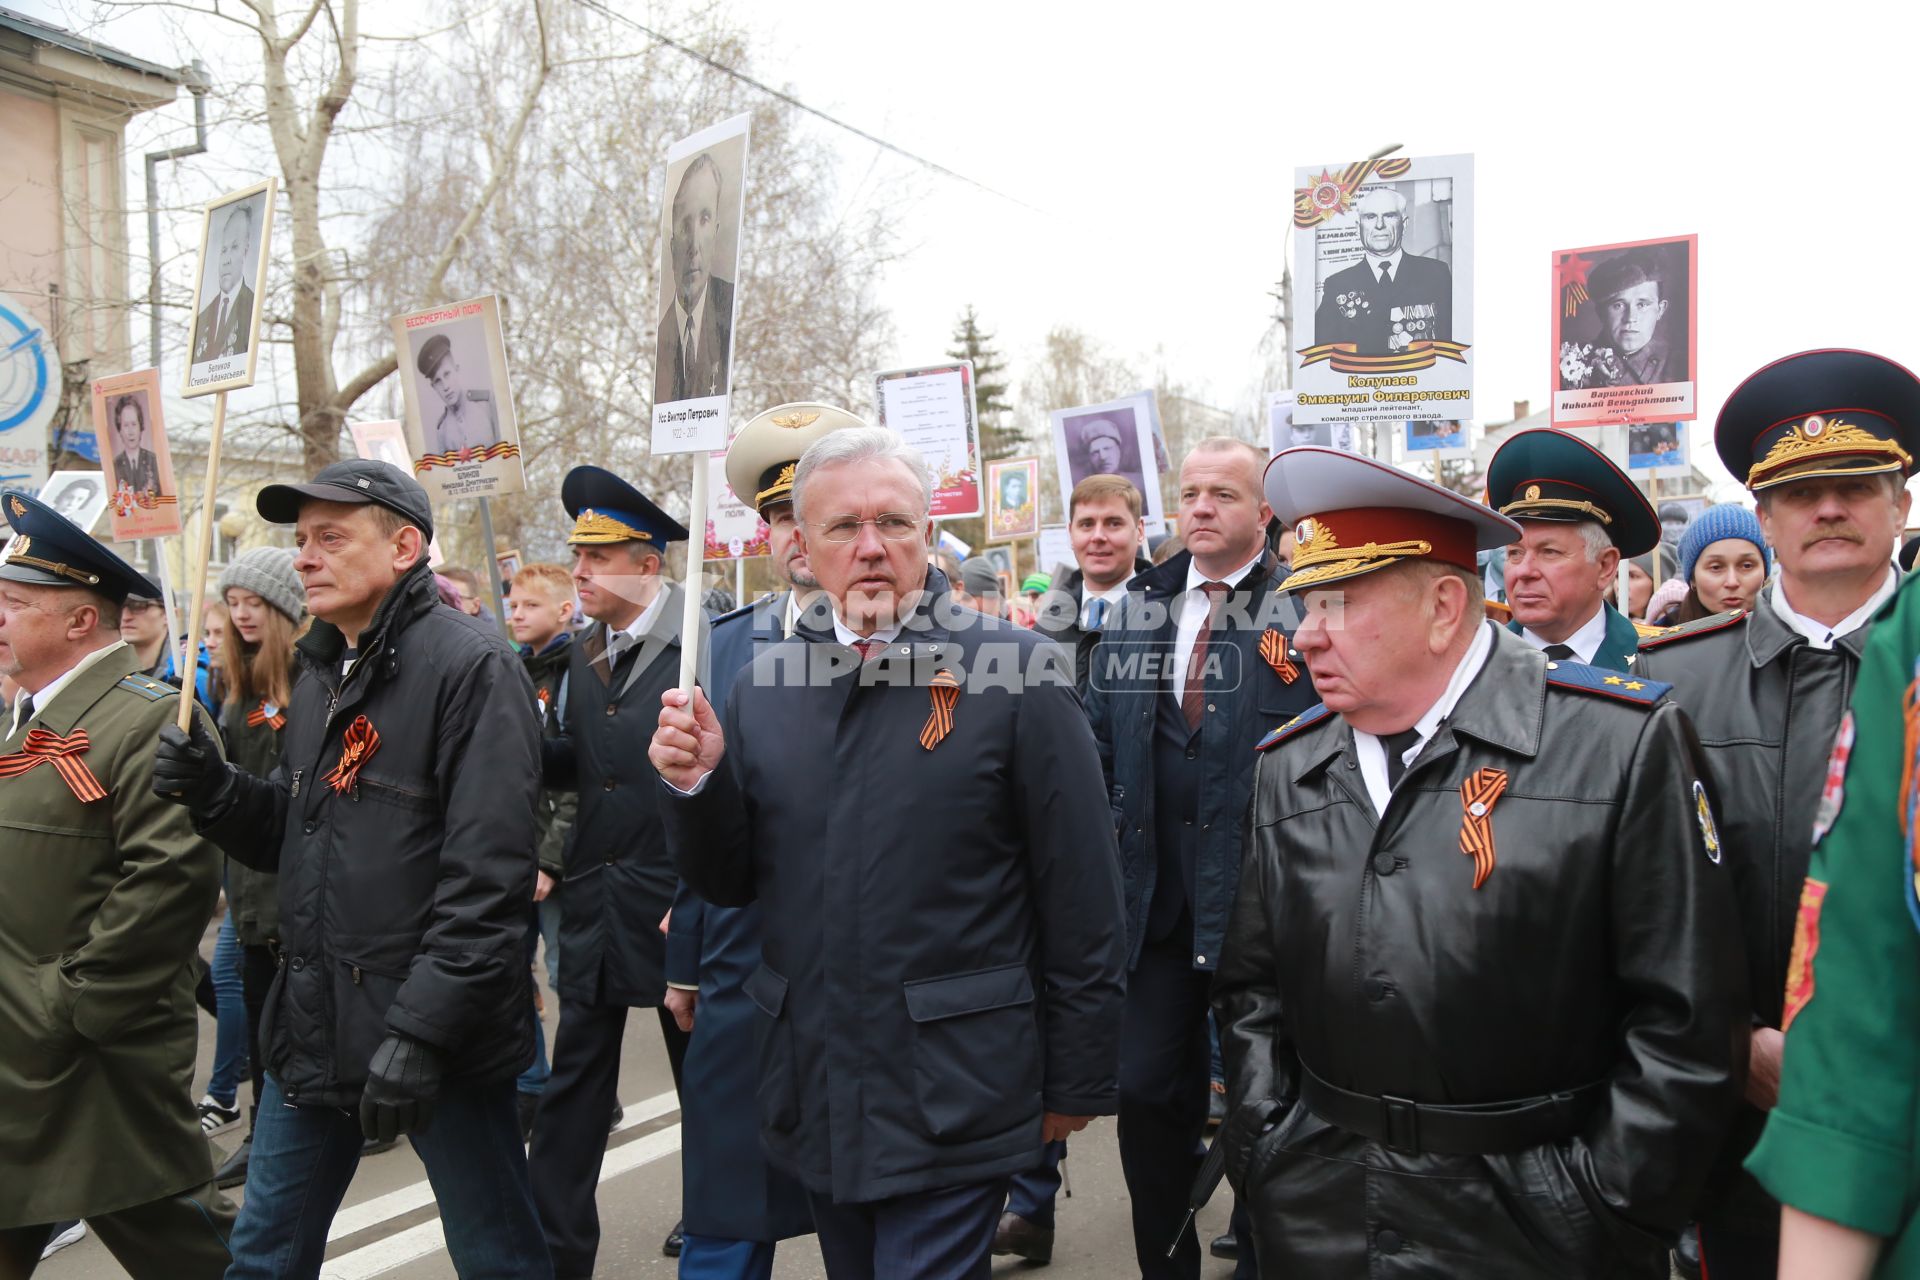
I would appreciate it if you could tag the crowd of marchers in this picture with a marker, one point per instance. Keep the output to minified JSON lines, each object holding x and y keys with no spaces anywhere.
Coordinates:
{"x":1434,"y":866}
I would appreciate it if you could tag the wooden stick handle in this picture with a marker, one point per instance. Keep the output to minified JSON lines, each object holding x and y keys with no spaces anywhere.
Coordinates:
{"x":696,"y":557}
{"x":196,"y":616}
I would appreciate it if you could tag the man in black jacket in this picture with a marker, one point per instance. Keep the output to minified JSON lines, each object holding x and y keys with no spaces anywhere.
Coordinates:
{"x":1108,"y":534}
{"x":1196,"y":667}
{"x":401,"y":822}
{"x":1825,"y":441}
{"x":619,"y":879}
{"x":911,"y":792}
{"x":1482,"y":1004}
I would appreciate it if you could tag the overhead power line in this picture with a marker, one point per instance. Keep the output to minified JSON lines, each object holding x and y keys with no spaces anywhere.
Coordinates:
{"x":783,"y":96}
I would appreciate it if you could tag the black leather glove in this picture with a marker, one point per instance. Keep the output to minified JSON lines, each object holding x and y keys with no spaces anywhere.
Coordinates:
{"x":403,"y":1080}
{"x":188,"y":770}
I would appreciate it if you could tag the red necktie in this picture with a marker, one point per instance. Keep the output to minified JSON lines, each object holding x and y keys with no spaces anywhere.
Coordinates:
{"x":1193,"y":702}
{"x":867,"y":648}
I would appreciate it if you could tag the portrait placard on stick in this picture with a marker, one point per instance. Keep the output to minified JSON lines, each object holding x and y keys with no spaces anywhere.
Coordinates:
{"x":703,"y":219}
{"x":460,"y":425}
{"x":127,"y":422}
{"x":80,"y":496}
{"x":735,"y":530}
{"x":236,"y":231}
{"x":1055,"y":548}
{"x":1013,"y":499}
{"x":1625,"y":332}
{"x":1386,"y":247}
{"x":1284,"y":431}
{"x":933,"y":410}
{"x":1114,"y":438}
{"x":1658,"y":449}
{"x":1431,"y":441}
{"x":386,"y":441}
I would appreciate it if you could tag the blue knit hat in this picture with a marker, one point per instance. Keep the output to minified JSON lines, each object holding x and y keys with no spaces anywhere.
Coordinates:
{"x":1729,"y":520}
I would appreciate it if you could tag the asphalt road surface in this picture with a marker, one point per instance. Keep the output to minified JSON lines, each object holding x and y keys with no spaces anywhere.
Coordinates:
{"x":388,"y":1225}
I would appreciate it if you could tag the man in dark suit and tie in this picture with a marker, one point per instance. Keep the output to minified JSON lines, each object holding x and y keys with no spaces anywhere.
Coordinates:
{"x":696,"y":333}
{"x":1390,"y":298}
{"x":225,"y":324}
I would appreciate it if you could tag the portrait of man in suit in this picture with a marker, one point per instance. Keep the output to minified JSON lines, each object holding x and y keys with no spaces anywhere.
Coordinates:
{"x":1390,"y":298}
{"x":134,"y":463}
{"x":696,"y":332}
{"x":225,"y":323}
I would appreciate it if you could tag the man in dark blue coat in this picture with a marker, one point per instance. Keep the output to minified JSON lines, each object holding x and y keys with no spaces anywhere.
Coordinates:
{"x":1197,"y":669}
{"x":912,"y":792}
{"x":619,"y":878}
{"x":737,"y":1205}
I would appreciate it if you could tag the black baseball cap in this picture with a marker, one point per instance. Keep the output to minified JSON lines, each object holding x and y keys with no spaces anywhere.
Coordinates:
{"x":351,"y":480}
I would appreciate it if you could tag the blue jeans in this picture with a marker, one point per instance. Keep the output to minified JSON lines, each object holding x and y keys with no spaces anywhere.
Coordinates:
{"x":534,"y":1079}
{"x":304,"y":1158}
{"x":230,"y":1038}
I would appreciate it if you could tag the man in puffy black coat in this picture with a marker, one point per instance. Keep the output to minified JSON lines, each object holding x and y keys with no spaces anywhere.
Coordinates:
{"x":912,"y":794}
{"x":401,"y":822}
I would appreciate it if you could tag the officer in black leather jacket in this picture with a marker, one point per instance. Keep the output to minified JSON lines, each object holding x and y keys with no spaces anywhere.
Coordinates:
{"x":1824,"y":440}
{"x":1482,"y":1001}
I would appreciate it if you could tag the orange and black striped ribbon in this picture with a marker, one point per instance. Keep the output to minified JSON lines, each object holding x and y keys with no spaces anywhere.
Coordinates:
{"x":1477,"y":795}
{"x":44,"y":747}
{"x":1273,"y":647}
{"x":945,"y":691}
{"x":359,"y":742}
{"x":264,"y":714}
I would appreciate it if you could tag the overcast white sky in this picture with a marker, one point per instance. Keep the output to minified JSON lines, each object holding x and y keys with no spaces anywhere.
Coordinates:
{"x":1151,"y":150}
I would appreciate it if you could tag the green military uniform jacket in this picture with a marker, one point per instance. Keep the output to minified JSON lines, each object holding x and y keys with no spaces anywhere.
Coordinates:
{"x":104,"y":904}
{"x":1844,"y":1141}
{"x":1618,"y":648}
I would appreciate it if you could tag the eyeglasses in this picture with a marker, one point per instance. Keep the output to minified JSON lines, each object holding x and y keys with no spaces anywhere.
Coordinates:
{"x":136,"y":605}
{"x":891,"y":525}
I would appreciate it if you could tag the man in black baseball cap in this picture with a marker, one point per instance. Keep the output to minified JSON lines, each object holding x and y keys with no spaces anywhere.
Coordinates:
{"x":401,"y":822}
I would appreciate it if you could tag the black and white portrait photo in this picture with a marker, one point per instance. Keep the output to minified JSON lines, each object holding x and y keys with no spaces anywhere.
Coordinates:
{"x":1624,"y":332}
{"x":1400,"y":289}
{"x":1115,"y":438}
{"x":226,"y":322}
{"x":455,"y":388}
{"x":700,"y":253}
{"x":461,"y":430}
{"x":80,"y":496}
{"x":1386,"y":247}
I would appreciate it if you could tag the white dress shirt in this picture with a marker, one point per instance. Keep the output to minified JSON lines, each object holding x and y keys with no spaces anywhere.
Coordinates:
{"x":1372,"y":753}
{"x":1585,"y":642}
{"x":1392,"y":260}
{"x":635,"y":632}
{"x":1819,"y":634}
{"x":1193,"y":613}
{"x":688,"y":350}
{"x":51,"y":689}
{"x":1112,"y":595}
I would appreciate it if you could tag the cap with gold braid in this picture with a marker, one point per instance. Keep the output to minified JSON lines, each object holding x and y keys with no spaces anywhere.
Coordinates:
{"x":1352,"y":515}
{"x":1832,"y":412}
{"x":606,"y":508}
{"x":762,"y":458}
{"x":1553,"y":475}
{"x":49,"y":550}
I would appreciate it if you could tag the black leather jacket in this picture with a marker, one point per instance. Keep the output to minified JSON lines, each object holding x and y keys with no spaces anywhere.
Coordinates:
{"x":1766,"y":705}
{"x":1600,"y":956}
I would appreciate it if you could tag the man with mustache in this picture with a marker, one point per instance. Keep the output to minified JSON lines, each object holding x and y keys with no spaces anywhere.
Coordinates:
{"x":737,"y":1206}
{"x":696,"y":333}
{"x":1825,"y":440}
{"x":1578,"y":516}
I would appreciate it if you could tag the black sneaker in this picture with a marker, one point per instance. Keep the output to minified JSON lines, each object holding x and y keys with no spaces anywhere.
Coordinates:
{"x":233,"y":1170}
{"x":1226,"y":1245}
{"x":675,"y":1241}
{"x":214,"y":1117}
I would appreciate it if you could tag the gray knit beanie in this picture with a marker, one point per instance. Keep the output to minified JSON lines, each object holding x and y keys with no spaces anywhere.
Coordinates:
{"x":268,"y":573}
